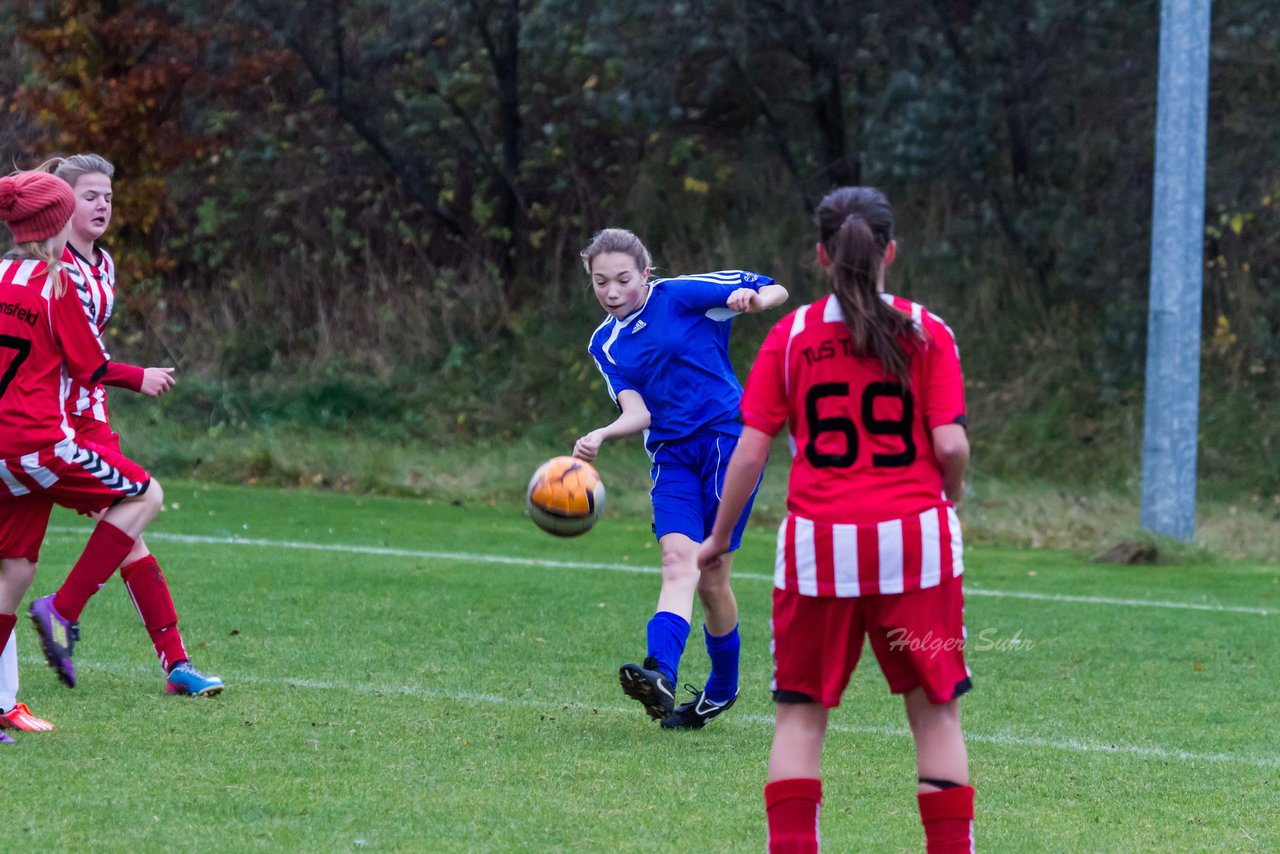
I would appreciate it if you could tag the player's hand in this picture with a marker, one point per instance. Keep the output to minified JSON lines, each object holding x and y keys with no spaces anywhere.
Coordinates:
{"x":744,"y":300}
{"x":156,"y":381}
{"x":588,"y":446}
{"x":710,"y":553}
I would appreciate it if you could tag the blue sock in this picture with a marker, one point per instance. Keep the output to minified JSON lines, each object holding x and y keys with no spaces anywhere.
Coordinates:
{"x":722,"y":684}
{"x":668,"y":634}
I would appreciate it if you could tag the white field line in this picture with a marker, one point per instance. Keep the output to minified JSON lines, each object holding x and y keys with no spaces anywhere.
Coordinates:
{"x":1070,"y":745}
{"x":472,"y":557}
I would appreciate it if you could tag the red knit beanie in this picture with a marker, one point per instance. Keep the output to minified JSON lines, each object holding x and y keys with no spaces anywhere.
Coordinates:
{"x":35,"y":205}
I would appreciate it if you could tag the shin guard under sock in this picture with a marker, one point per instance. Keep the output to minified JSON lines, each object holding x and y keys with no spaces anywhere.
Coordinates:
{"x":150,"y":593}
{"x":948,"y":820}
{"x":107,"y":548}
{"x":792,"y":807}
{"x":667,"y":635}
{"x":723,"y":651}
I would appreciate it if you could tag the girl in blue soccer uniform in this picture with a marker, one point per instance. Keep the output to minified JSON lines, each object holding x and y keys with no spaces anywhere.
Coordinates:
{"x":664,"y":354}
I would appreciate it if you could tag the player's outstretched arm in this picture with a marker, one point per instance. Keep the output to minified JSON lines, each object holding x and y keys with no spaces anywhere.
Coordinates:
{"x":743,"y":473}
{"x":748,"y":301}
{"x":951,"y":450}
{"x":634,"y":418}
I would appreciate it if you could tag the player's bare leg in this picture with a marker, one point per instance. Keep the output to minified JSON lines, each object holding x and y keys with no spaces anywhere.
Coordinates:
{"x":719,"y":605}
{"x":16,"y":575}
{"x":940,"y":749}
{"x":797,"y":741}
{"x":943,"y":792}
{"x":653,"y":683}
{"x":679,"y":575}
{"x":720,"y":613}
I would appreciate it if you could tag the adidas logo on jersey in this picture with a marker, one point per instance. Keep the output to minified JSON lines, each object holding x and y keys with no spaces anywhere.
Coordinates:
{"x":639,"y":325}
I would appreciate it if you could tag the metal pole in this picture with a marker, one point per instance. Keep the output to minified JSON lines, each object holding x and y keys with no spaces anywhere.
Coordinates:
{"x":1171,"y":414}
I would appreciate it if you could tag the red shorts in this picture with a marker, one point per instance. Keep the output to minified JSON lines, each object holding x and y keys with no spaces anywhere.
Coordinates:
{"x":85,"y":477}
{"x":918,"y":638}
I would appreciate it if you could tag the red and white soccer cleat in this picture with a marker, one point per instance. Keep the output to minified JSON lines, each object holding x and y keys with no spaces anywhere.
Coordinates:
{"x":20,"y":717}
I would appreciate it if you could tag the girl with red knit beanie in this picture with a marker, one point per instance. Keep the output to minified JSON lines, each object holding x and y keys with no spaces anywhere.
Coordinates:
{"x":93,"y":274}
{"x":869,"y":386}
{"x":43,"y":340}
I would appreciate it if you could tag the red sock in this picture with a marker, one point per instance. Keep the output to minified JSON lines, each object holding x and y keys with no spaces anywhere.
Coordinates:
{"x":792,"y":808}
{"x":107,"y":548}
{"x":145,"y":583}
{"x":948,"y":820}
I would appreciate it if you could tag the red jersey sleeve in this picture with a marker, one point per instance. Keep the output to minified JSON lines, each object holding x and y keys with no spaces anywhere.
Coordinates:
{"x":944,"y":384}
{"x":764,"y":399}
{"x":81,"y":348}
{"x":123,"y":376}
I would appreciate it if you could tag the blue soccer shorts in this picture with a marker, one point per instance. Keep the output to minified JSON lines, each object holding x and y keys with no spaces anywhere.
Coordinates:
{"x":687,"y":478}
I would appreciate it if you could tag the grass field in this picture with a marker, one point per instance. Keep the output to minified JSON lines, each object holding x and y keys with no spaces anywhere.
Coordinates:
{"x":404,"y":675}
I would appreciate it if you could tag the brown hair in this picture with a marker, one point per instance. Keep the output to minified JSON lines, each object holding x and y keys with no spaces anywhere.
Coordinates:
{"x":616,"y":240}
{"x":855,"y":225}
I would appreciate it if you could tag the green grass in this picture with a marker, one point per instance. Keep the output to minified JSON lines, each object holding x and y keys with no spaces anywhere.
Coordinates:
{"x":1082,"y":518}
{"x":431,"y":703}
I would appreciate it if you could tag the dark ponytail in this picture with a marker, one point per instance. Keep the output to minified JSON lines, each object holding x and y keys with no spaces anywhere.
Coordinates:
{"x":856,"y":225}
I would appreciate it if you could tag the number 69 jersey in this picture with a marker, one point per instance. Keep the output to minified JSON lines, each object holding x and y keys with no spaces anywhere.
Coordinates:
{"x":861,"y":442}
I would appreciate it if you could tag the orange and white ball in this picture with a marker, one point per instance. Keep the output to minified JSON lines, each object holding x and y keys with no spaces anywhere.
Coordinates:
{"x":565,"y":496}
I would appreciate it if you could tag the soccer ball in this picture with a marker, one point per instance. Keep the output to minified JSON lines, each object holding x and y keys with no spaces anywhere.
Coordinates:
{"x":566,"y":496}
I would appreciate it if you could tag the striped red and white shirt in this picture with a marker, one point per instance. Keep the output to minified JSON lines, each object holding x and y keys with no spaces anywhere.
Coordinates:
{"x":868,"y":512}
{"x":96,"y":290}
{"x":894,"y":556}
{"x":43,"y":343}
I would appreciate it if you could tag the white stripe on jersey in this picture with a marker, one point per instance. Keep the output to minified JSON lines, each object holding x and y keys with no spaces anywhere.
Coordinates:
{"x":780,"y":562}
{"x":97,"y":299}
{"x":806,"y":559}
{"x":608,"y":345}
{"x":797,"y":326}
{"x":957,"y":542}
{"x":23,"y":274}
{"x":38,"y":473}
{"x":14,"y":486}
{"x":619,"y":324}
{"x":930,"y":549}
{"x":832,"y":312}
{"x":844,"y":541}
{"x":608,"y":385}
{"x":890,"y":536}
{"x":888,"y":550}
{"x":721,"y":277}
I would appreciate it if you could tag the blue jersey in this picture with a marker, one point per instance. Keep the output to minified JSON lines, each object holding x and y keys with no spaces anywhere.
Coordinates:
{"x":674,"y":352}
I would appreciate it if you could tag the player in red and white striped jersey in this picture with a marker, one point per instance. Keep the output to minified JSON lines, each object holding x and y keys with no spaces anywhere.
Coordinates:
{"x":870,"y":388}
{"x":96,"y":286}
{"x":93,"y":274}
{"x":44,"y":343}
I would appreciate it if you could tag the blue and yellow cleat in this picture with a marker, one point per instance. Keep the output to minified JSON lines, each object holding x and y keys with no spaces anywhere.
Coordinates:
{"x":185,"y":679}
